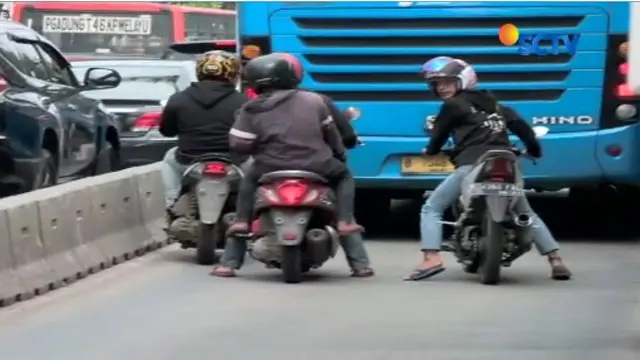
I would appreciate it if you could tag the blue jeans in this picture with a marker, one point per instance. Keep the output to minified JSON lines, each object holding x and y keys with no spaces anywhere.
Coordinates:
{"x":171,"y":172}
{"x":446,"y":194}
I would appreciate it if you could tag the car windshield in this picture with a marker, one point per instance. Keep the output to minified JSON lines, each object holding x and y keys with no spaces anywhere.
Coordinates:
{"x":139,"y":82}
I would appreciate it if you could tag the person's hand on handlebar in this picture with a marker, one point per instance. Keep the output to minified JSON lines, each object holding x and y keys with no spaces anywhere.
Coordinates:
{"x":534,"y":152}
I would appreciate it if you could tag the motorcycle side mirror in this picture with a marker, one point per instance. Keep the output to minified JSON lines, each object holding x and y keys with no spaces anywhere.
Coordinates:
{"x":353,"y":113}
{"x":540,"y":131}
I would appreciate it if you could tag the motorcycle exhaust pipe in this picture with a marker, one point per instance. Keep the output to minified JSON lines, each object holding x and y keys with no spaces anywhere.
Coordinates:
{"x":524,"y":220}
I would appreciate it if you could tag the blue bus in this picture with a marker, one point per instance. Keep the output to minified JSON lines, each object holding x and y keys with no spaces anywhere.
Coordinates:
{"x":368,"y":55}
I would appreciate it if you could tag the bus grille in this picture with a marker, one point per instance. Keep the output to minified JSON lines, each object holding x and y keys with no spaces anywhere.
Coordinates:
{"x":492,"y":59}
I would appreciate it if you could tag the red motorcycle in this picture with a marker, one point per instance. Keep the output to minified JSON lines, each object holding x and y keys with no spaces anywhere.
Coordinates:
{"x":296,"y":224}
{"x":296,"y":212}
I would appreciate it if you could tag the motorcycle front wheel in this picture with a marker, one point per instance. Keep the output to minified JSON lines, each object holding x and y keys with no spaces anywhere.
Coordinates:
{"x":292,"y":264}
{"x":206,"y":248}
{"x":491,"y":252}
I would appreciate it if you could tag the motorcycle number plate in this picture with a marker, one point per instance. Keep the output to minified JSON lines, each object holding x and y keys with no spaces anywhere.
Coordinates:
{"x":495,"y":189}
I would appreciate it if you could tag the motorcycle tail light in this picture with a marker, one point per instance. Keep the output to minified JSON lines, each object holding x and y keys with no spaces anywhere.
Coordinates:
{"x":292,"y":192}
{"x":215,"y":168}
{"x":499,"y":169}
{"x":251,"y":94}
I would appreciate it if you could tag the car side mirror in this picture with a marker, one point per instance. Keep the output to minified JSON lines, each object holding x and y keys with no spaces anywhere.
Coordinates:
{"x":100,"y":79}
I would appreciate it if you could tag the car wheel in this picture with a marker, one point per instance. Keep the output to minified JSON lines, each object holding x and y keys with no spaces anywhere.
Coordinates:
{"x":48,"y":174}
{"x":109,"y":163}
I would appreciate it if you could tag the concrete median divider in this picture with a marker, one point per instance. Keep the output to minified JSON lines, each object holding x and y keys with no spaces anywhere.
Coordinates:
{"x":55,"y":236}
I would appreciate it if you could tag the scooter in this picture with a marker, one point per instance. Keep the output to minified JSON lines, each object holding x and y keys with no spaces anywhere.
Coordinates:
{"x":297,"y":217}
{"x":295,"y":230}
{"x":489,"y":234}
{"x":205,"y":207}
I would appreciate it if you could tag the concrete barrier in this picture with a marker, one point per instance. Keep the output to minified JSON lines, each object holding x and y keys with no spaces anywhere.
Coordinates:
{"x":53,"y":237}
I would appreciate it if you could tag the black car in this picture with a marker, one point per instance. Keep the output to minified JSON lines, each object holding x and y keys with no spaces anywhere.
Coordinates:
{"x":138,"y":101}
{"x":48,"y":128}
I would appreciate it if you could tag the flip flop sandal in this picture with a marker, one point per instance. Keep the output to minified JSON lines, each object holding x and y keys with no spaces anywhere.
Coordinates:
{"x":561,"y":273}
{"x":421,"y":274}
{"x":362,"y":273}
{"x":227,"y":273}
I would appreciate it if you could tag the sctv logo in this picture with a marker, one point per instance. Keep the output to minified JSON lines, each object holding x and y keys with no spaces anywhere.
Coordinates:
{"x":529,"y":44}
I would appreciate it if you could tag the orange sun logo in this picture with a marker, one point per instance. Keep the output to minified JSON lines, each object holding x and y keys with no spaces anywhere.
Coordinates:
{"x":508,"y":34}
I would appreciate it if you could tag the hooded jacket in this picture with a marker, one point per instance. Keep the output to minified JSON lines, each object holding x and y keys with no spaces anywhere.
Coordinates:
{"x":201,"y":117}
{"x":478,"y":124}
{"x":343,"y":124}
{"x":287,"y":130}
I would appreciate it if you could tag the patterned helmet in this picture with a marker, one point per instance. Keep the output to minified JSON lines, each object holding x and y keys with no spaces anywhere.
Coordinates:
{"x":218,"y":65}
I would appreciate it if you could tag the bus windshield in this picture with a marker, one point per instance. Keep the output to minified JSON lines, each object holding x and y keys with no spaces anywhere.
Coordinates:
{"x":118,"y":33}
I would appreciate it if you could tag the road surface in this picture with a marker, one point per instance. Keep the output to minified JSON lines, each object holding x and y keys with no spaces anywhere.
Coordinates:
{"x":163,"y":307}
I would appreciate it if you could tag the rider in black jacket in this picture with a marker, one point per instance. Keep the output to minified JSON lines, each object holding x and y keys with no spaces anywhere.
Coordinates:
{"x":289,"y":128}
{"x":478,"y":123}
{"x":201,"y":117}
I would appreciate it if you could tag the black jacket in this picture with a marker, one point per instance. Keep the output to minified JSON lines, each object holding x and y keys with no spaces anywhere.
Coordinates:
{"x":201,"y":117}
{"x":288,"y":129}
{"x":343,"y":123}
{"x":478,"y":124}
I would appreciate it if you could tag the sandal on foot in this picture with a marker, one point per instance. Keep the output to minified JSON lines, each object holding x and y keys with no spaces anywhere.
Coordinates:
{"x":560,"y":271}
{"x":362,"y":273}
{"x":238,"y":227}
{"x":223,"y":271}
{"x":345,"y":229}
{"x":421,"y":274}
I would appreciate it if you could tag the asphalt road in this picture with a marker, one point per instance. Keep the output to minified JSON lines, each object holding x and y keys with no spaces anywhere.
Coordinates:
{"x":163,"y":307}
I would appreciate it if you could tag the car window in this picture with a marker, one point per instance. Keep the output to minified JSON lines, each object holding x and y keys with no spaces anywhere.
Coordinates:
{"x":58,"y":73}
{"x":29,"y":61}
{"x":10,"y":58}
{"x":140,"y":82}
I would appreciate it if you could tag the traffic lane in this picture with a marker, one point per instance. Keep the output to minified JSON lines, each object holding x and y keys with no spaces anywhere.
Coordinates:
{"x":163,"y":307}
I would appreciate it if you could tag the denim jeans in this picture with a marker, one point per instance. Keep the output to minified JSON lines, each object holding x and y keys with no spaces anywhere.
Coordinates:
{"x":171,"y":172}
{"x":446,"y":194}
{"x":352,"y":245}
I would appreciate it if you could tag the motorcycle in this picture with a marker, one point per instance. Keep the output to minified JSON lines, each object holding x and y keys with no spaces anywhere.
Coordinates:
{"x":488,"y":233}
{"x":296,"y":224}
{"x":204,"y":209}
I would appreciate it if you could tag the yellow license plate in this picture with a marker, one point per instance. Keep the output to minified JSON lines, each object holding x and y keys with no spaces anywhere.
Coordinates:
{"x":417,"y":165}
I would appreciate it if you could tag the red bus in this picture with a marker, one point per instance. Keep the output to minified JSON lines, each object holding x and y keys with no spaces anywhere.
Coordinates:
{"x":118,"y":28}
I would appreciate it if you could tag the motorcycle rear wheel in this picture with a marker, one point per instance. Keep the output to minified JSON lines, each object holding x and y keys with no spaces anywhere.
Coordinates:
{"x":491,"y":252}
{"x":206,"y":248}
{"x":292,"y":264}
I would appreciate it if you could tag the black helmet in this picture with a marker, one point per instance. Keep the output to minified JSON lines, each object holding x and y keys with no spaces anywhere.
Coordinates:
{"x":218,"y":65}
{"x":273,"y":71}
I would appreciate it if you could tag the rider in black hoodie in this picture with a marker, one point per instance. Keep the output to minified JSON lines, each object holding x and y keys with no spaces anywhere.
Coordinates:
{"x":478,"y":124}
{"x":201,"y":117}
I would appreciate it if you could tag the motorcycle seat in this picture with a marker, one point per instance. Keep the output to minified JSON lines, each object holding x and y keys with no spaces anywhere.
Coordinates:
{"x":291,"y":174}
{"x":491,"y":154}
{"x":214,"y":156}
